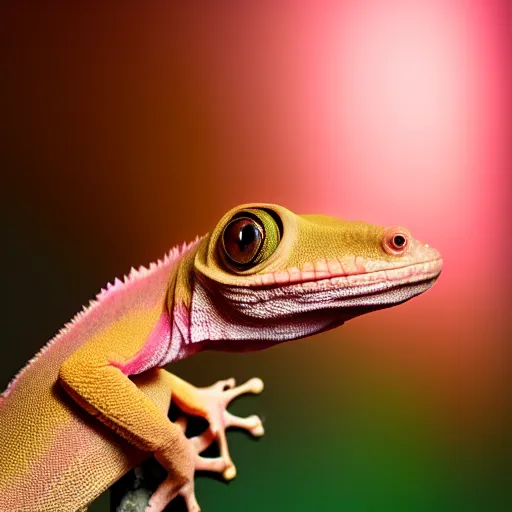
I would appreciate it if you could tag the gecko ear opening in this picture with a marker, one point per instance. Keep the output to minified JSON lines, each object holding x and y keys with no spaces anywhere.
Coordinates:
{"x":249,"y":238}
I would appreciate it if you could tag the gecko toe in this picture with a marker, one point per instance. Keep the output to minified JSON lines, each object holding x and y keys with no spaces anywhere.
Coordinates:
{"x":229,"y":473}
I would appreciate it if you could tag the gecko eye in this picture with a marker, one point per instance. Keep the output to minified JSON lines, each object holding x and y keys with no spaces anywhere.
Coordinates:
{"x":395,"y":241}
{"x":250,"y":238}
{"x":242,"y":240}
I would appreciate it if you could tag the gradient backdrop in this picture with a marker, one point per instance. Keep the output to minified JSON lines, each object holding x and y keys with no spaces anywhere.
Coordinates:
{"x":127,"y":129}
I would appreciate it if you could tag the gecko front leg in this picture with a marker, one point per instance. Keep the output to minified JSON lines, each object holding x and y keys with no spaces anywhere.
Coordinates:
{"x":210,"y":403}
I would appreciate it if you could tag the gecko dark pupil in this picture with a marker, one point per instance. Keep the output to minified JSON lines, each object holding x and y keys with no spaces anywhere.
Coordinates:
{"x":399,"y":240}
{"x":248,"y":234}
{"x":242,"y":240}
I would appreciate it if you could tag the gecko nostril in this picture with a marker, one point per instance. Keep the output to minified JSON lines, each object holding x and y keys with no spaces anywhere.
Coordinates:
{"x":399,"y":241}
{"x":395,"y":241}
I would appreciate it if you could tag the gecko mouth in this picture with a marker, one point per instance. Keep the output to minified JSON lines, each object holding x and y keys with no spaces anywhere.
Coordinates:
{"x":380,"y":297}
{"x":377,"y":289}
{"x":361,"y":283}
{"x":380,"y":280}
{"x":312,"y":280}
{"x":334,"y":293}
{"x":374,"y":290}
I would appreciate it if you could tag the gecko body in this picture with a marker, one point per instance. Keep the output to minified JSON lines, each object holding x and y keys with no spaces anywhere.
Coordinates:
{"x":93,"y":403}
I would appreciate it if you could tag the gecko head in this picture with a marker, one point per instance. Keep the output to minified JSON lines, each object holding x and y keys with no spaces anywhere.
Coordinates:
{"x":266,"y":275}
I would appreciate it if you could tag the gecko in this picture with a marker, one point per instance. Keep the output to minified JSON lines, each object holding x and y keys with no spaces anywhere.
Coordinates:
{"x":93,"y":403}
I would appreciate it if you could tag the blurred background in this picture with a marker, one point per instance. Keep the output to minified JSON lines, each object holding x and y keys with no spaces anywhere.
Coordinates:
{"x":129,"y":127}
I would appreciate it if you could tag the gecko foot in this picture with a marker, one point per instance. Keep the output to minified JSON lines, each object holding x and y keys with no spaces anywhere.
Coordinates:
{"x":169,"y":488}
{"x":216,"y":398}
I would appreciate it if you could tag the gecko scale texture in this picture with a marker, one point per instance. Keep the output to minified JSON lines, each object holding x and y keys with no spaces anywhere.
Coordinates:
{"x":49,"y":443}
{"x":92,"y":404}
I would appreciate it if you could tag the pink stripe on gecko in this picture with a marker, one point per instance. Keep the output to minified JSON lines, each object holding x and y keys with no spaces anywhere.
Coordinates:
{"x":153,"y":350}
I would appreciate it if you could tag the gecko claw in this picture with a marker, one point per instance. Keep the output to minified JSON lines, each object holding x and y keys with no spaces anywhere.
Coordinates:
{"x":229,"y":473}
{"x":255,"y":385}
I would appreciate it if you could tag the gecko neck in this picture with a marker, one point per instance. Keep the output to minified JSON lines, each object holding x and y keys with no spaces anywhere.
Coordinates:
{"x":179,"y":300}
{"x":180,"y":346}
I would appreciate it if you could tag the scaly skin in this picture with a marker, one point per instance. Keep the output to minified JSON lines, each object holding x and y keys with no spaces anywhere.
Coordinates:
{"x":92,"y":404}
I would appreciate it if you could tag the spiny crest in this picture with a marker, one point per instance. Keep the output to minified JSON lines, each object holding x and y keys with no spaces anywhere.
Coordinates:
{"x":135,"y":274}
{"x":172,"y":256}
